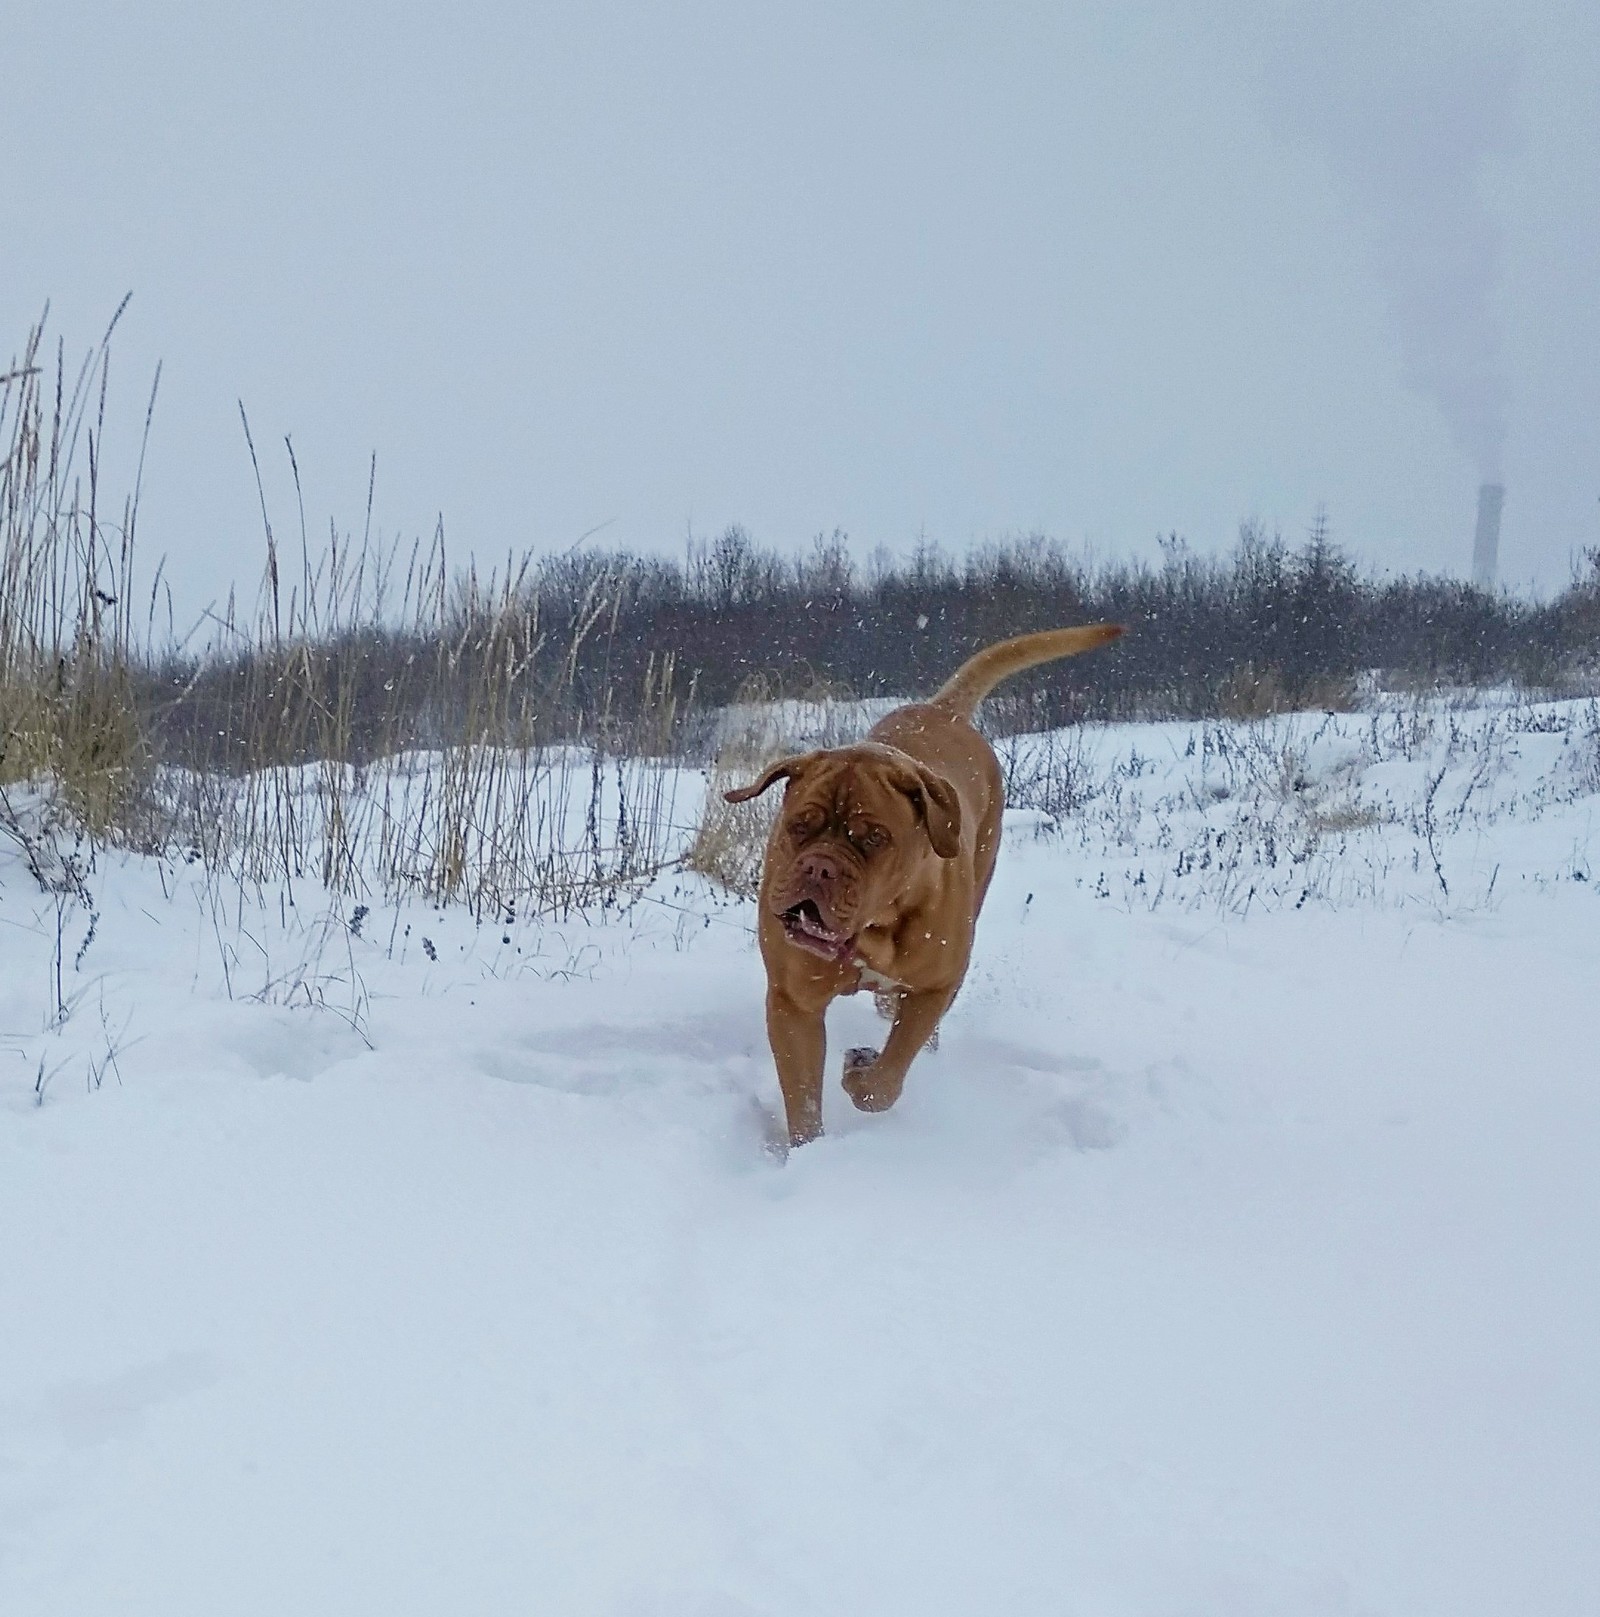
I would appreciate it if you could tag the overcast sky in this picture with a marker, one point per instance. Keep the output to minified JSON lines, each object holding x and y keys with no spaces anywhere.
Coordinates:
{"x":955,"y":270}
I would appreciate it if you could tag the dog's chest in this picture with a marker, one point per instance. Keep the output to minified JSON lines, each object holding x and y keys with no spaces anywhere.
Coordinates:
{"x":876,"y":981}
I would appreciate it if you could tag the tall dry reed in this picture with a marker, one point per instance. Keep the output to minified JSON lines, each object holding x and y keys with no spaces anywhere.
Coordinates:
{"x":376,"y":724}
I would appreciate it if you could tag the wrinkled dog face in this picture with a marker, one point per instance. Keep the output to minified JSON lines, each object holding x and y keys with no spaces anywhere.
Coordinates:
{"x":855,"y":823}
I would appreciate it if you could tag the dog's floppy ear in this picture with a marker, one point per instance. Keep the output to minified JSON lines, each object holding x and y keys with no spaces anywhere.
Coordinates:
{"x":939,"y":806}
{"x":784,"y":769}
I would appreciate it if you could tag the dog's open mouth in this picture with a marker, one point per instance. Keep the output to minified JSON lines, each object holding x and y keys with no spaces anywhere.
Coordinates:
{"x":803,"y":925}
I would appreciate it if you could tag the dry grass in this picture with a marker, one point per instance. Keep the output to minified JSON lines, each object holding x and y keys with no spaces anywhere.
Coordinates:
{"x":441,"y":778}
{"x":1586,"y":762}
{"x":731,"y":837}
{"x":379,"y":724}
{"x":760,"y":727}
{"x":1262,"y":693}
{"x":66,"y":607}
{"x":1252,"y":693}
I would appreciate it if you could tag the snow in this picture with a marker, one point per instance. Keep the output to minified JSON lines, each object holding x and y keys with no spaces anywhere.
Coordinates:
{"x":1231,"y":1257}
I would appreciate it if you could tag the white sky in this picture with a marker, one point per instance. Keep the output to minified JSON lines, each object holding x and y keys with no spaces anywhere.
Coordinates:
{"x":964,"y":270}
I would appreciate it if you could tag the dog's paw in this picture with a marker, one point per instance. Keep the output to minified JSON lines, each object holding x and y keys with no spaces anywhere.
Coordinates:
{"x":870,"y":1088}
{"x":770,"y":1131}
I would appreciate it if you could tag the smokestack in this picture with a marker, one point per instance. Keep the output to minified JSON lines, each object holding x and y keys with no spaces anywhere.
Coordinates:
{"x":1486,"y":538}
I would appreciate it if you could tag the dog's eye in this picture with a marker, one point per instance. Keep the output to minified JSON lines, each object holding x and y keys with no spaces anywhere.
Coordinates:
{"x":873,"y":837}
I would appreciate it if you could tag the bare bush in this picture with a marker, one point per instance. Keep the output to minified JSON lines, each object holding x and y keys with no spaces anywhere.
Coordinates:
{"x":1052,"y":774}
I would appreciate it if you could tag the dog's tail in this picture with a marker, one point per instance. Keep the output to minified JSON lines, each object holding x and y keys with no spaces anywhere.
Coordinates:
{"x":978,"y":675}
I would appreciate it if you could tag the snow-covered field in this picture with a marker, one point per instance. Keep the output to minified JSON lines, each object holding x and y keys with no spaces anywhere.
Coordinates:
{"x":1235,"y":1255}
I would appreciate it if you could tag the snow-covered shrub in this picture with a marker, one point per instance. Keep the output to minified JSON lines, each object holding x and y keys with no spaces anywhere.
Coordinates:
{"x":1389,"y":807}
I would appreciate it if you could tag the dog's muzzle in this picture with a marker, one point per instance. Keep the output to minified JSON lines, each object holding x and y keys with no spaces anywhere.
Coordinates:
{"x":805,"y":927}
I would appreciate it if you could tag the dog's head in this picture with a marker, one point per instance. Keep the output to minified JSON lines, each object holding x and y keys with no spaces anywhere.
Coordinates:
{"x":856,"y":822}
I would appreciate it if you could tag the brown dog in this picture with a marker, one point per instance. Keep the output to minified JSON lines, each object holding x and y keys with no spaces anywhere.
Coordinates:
{"x":875,"y":873}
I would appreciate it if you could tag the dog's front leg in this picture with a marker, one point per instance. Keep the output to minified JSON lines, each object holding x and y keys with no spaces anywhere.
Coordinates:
{"x":874,"y":1081}
{"x":799,"y":1048}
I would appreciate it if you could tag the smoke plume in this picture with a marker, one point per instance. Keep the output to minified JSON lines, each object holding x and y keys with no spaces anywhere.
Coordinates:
{"x":1408,"y":104}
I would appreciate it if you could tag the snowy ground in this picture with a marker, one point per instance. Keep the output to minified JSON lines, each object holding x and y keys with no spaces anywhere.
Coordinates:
{"x":1234,"y":1256}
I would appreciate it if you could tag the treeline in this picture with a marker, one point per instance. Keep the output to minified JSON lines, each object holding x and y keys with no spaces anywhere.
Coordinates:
{"x":627,"y":649}
{"x":1294,"y":624}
